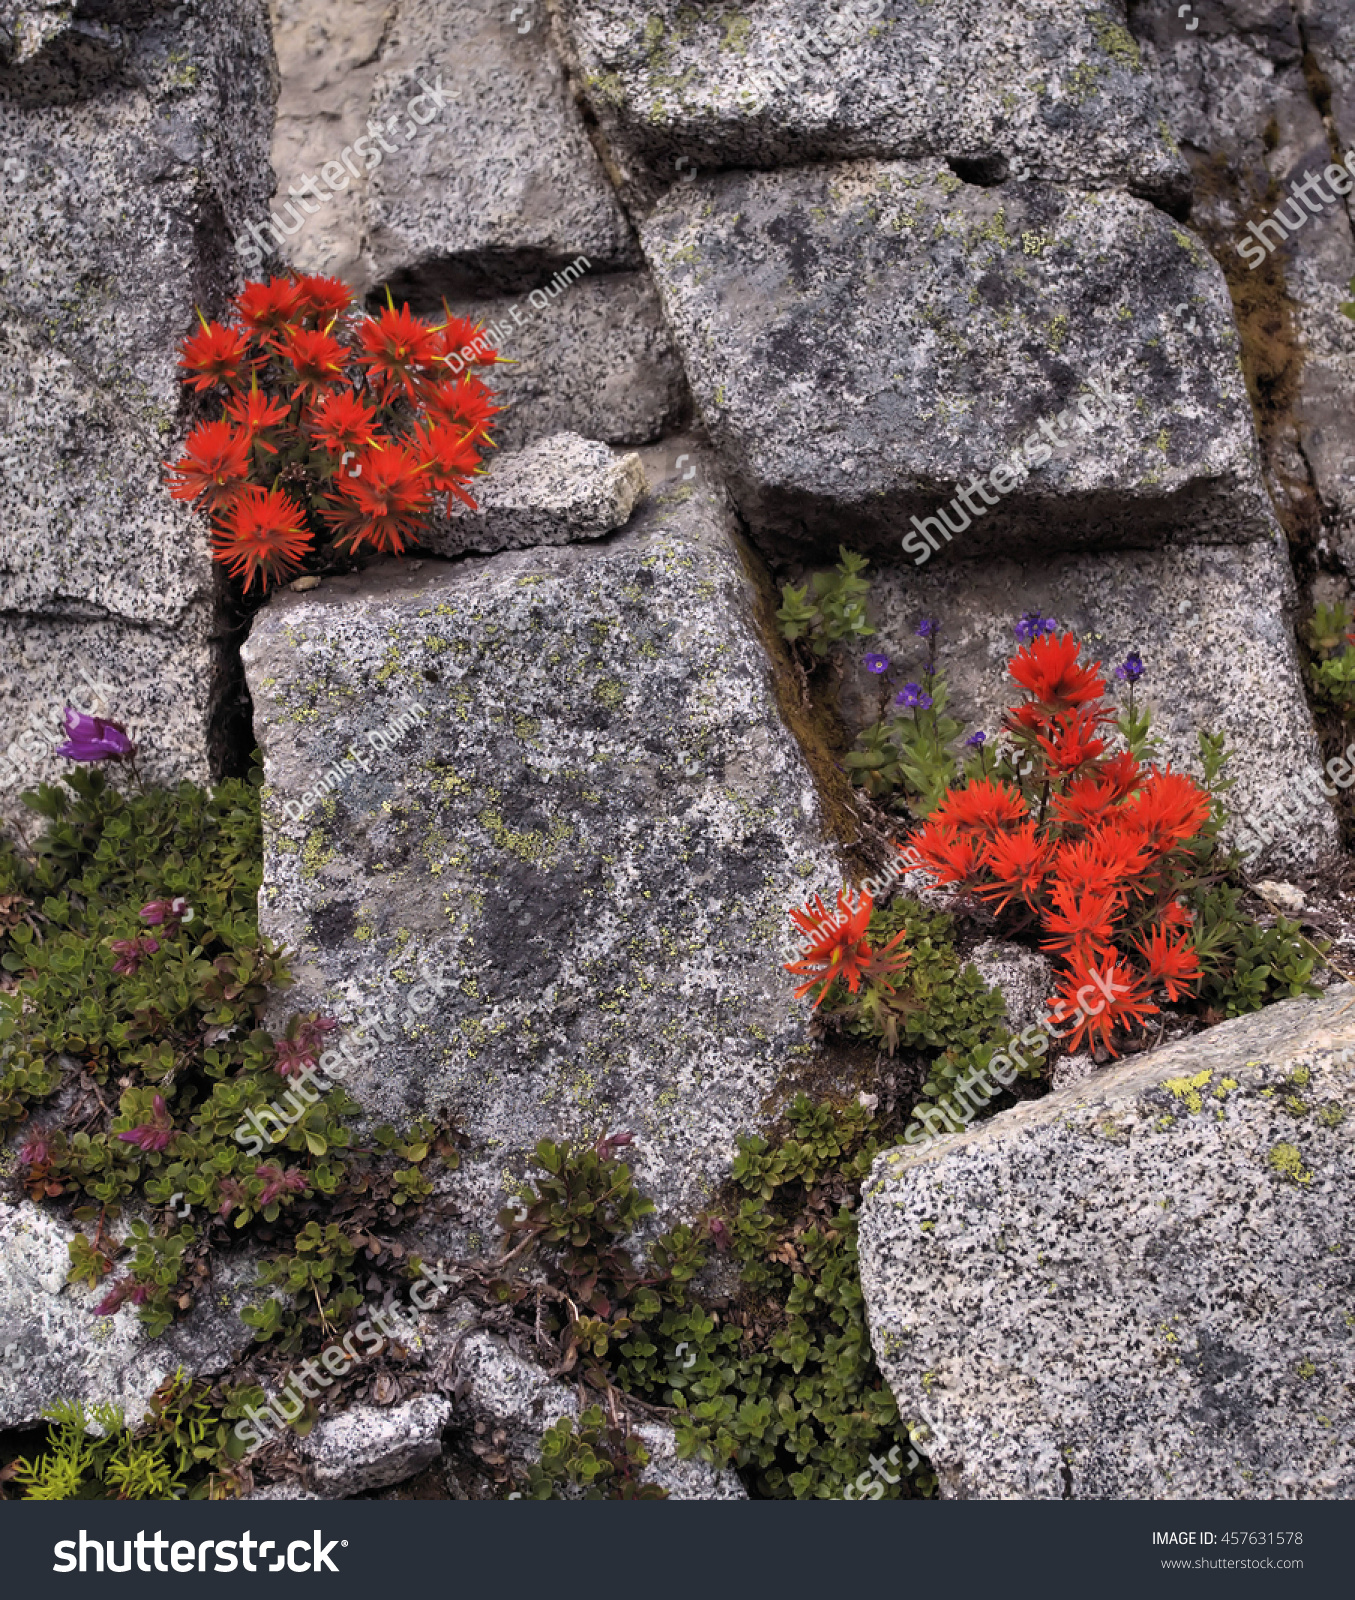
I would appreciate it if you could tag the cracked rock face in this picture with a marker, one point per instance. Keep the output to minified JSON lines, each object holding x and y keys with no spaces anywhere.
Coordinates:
{"x":1056,"y":92}
{"x":588,"y":842}
{"x":1252,"y":124}
{"x":872,"y":339}
{"x":119,"y":183}
{"x":1208,"y":621}
{"x":1140,"y":1286}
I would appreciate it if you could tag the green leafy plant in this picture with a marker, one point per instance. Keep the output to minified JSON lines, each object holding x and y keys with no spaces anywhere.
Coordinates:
{"x":183,"y":1449}
{"x":597,"y":1460}
{"x":1332,"y":674}
{"x":132,"y":936}
{"x":779,"y":1380}
{"x":830,"y":609}
{"x":1246,"y":966}
{"x":903,"y":760}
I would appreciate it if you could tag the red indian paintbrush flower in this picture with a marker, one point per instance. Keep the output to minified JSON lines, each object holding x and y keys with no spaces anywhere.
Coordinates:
{"x":267,"y":307}
{"x":1127,"y":1009}
{"x":360,"y":430}
{"x":450,"y":458}
{"x":948,"y":853}
{"x":343,"y":422}
{"x":214,"y":355}
{"x":1170,"y":960}
{"x":839,"y":948}
{"x":213,"y":467}
{"x":385,"y":505}
{"x":464,"y":333}
{"x":398,"y":349}
{"x":255,"y":412}
{"x":323,"y":298}
{"x":464,"y":402}
{"x":263,"y":536}
{"x":317,"y":358}
{"x":1050,"y":670}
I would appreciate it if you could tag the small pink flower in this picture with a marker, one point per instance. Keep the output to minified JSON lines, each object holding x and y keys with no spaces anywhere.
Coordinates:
{"x":153,"y":1135}
{"x":276,"y":1181}
{"x":35,"y":1152}
{"x":114,"y":1298}
{"x":170,"y":912}
{"x":130,"y":952}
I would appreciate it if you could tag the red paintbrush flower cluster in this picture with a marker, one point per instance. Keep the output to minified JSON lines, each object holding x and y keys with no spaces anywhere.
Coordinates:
{"x":336,"y":425}
{"x":1089,"y":845}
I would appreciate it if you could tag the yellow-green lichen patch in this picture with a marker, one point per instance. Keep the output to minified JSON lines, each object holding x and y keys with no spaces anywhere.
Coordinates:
{"x":1187,"y":1090}
{"x":1288,"y":1162}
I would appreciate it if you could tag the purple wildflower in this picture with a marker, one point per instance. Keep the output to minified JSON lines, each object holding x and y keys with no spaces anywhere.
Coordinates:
{"x":35,"y":1152}
{"x":1032,"y":625}
{"x":277,"y":1182}
{"x":155,"y":1134}
{"x":172,"y":912}
{"x":875,"y":664}
{"x":1130,"y":669}
{"x":93,"y":739}
{"x":114,"y":1298}
{"x":927,"y":627}
{"x":130,"y":952}
{"x":913,"y":694}
{"x":976,"y":741}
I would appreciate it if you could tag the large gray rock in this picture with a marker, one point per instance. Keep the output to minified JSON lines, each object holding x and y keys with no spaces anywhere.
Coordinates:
{"x":864,"y":340}
{"x":368,"y":1447}
{"x":1055,"y":91}
{"x":503,"y":186}
{"x":126,"y":176}
{"x":53,"y":1347}
{"x":589,"y":842}
{"x":1138,"y":1287}
{"x":1238,"y":95}
{"x":596,"y":361}
{"x":554,"y":491}
{"x":1211,"y":624}
{"x":329,"y":57}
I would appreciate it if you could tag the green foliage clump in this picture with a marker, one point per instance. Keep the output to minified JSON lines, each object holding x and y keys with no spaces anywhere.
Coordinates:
{"x":183,"y":1449}
{"x":836,"y":611}
{"x":1244,"y":966}
{"x":152,"y":1027}
{"x":1332,"y":674}
{"x":904,"y":760}
{"x":779,"y":1382}
{"x":599,"y":1458}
